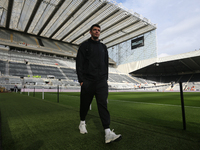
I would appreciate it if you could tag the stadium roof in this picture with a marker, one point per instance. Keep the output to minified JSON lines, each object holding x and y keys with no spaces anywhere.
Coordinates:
{"x":70,"y":20}
{"x":186,"y":63}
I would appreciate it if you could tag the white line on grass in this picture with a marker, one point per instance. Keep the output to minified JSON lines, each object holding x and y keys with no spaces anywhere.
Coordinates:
{"x":140,"y":102}
{"x":151,"y":103}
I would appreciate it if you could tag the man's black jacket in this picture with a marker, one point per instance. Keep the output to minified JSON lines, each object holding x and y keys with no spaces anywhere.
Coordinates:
{"x":92,"y":61}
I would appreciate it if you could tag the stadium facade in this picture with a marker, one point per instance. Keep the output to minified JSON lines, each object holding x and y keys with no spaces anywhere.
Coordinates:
{"x":123,"y":53}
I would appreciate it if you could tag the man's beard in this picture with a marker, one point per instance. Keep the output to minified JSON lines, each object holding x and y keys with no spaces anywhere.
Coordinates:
{"x":95,"y":38}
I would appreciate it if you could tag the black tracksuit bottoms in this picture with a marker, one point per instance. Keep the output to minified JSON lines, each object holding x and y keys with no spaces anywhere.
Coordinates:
{"x":99,"y":89}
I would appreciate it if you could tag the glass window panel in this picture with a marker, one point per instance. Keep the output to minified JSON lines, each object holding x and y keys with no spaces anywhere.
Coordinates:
{"x":114,"y":36}
{"x":131,"y":35}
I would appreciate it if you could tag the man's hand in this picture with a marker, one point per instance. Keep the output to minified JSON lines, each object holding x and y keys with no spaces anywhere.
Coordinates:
{"x":81,"y":83}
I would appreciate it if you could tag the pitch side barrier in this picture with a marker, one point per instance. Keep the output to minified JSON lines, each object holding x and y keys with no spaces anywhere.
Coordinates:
{"x":78,"y":90}
{"x":50,"y":90}
{"x":58,"y":90}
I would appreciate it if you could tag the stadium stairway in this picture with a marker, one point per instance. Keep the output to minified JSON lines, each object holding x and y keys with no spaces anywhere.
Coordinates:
{"x":63,"y":63}
{"x":63,"y":73}
{"x":7,"y":69}
{"x":176,"y":86}
{"x":169,"y":88}
{"x":29,"y":70}
{"x":125,"y":77}
{"x":135,"y":79}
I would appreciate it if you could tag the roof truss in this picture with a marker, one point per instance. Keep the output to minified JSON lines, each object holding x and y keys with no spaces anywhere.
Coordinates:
{"x":69,"y":20}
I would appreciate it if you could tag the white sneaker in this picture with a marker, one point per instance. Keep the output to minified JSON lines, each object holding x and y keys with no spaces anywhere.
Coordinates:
{"x":111,"y":137}
{"x":82,"y":128}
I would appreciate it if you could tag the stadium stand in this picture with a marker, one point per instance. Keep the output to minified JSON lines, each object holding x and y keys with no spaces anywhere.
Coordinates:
{"x":116,"y":78}
{"x":49,"y":44}
{"x":56,"y":82}
{"x":128,"y":78}
{"x":140,"y":80}
{"x":18,"y":69}
{"x":67,"y":47}
{"x":5,"y":35}
{"x":3,"y":55}
{"x":14,"y":80}
{"x":45,"y":71}
{"x":21,"y":61}
{"x":22,"y":39}
{"x":120,"y":78}
{"x":44,"y":52}
{"x":37,"y":81}
{"x":60,"y":71}
{"x":70,"y":73}
{"x":2,"y":67}
{"x":28,"y":41}
{"x":66,"y":62}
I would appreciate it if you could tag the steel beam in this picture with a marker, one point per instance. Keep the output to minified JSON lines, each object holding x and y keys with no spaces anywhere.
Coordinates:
{"x":62,"y":24}
{"x":33,"y":15}
{"x":83,"y":21}
{"x":51,"y":16}
{"x":10,"y":6}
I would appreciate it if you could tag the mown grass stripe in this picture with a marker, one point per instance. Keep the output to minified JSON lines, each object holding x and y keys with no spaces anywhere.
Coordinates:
{"x":55,"y":127}
{"x":151,"y":103}
{"x":136,"y":102}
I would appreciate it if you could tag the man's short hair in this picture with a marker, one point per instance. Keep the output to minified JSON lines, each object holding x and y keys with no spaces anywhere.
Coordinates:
{"x":94,"y":25}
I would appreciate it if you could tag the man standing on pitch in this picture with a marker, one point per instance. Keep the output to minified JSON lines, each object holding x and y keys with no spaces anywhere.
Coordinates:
{"x":92,"y":71}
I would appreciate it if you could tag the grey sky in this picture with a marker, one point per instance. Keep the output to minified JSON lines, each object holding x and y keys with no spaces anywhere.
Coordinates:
{"x":178,"y":23}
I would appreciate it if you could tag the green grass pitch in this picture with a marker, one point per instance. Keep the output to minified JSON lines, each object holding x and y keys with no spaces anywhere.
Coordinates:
{"x":146,"y":120}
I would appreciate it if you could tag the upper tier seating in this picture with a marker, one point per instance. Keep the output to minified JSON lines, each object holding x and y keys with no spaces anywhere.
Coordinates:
{"x":18,"y":69}
{"x":28,"y":41}
{"x":2,"y":67}
{"x":44,"y":71}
